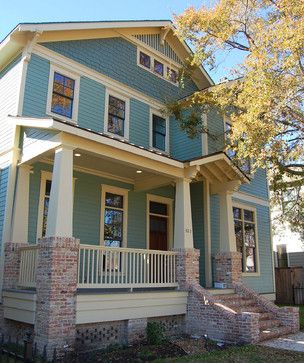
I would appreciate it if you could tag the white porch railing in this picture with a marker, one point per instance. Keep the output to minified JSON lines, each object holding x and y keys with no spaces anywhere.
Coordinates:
{"x":104,"y":267}
{"x":28,"y":265}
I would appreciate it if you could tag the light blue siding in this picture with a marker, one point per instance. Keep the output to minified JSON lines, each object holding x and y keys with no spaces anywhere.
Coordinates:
{"x":36,"y":87}
{"x":139,"y":123}
{"x":3,"y":190}
{"x":181,"y":146}
{"x":117,"y":58}
{"x":216,"y":140}
{"x":91,"y":104}
{"x":87,"y":204}
{"x":197,"y":206}
{"x":258,"y":185}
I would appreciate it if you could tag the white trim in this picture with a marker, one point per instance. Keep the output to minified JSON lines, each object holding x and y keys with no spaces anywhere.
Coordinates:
{"x":257,"y":254}
{"x":62,"y":61}
{"x":92,"y":25}
{"x":121,"y":96}
{"x":68,"y":73}
{"x":250,"y":198}
{"x":115,"y":190}
{"x":167,"y":64}
{"x":44,"y":176}
{"x":167,"y":140}
{"x":169,"y":203}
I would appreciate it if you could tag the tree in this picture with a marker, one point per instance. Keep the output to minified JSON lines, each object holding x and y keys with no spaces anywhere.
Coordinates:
{"x":264,"y":98}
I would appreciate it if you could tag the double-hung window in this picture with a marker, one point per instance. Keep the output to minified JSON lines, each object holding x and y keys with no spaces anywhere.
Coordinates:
{"x":159,"y":131}
{"x":63,"y":94}
{"x":114,"y":216}
{"x":117,"y":114}
{"x":246,"y":237}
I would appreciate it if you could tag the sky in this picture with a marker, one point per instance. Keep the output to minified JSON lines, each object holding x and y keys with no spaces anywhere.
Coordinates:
{"x":18,"y":11}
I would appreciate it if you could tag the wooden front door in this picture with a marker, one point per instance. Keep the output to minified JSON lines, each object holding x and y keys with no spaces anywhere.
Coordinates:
{"x":158,"y":233}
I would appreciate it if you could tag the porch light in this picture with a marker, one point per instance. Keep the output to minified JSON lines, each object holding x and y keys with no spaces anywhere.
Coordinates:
{"x":77,"y":154}
{"x":138,"y":171}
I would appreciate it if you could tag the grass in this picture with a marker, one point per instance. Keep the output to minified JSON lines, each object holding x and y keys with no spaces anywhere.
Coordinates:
{"x":301,"y":317}
{"x":243,"y":354}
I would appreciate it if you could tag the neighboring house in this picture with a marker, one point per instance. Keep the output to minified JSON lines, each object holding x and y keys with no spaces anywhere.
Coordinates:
{"x":110,"y":216}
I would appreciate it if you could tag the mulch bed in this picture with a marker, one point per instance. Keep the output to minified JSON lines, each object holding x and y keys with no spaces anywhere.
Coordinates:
{"x":148,"y":353}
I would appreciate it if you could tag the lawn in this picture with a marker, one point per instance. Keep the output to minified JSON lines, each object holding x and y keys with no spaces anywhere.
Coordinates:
{"x":301,"y":317}
{"x":244,"y":354}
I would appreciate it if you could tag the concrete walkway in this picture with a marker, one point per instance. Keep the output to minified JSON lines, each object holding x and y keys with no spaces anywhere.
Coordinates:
{"x":289,"y":342}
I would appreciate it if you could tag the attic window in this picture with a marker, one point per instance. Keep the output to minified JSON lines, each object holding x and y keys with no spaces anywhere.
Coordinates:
{"x":145,"y":60}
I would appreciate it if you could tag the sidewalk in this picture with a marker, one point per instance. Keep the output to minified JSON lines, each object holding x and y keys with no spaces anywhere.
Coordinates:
{"x":293,"y":342}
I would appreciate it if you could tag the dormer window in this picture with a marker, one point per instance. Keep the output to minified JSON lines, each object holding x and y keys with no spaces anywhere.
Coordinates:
{"x":63,"y":94}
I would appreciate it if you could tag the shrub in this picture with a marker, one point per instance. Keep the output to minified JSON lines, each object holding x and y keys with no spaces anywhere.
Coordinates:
{"x":155,"y":333}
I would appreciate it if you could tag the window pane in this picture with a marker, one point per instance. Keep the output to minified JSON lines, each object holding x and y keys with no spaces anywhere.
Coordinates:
{"x":117,"y":107}
{"x":62,"y":105}
{"x":111,"y":243}
{"x":48,"y":187}
{"x":248,"y":215}
{"x":116,"y":125}
{"x":113,"y":224}
{"x":45,"y":214}
{"x":114,"y":200}
{"x":238,"y":235}
{"x":158,"y":67}
{"x":237,"y":213}
{"x":250,"y":260}
{"x":249,"y":235}
{"x":145,"y":60}
{"x":158,"y":208}
{"x":159,"y":141}
{"x":172,"y":75}
{"x":159,"y":124}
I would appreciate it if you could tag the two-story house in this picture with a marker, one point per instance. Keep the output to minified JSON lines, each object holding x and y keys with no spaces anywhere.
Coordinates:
{"x":110,"y":216}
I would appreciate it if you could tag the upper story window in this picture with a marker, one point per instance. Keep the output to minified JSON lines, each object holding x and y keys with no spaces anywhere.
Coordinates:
{"x":159,"y":67}
{"x":246,"y":237}
{"x":117,"y":115}
{"x":159,"y":132}
{"x":63,"y":94}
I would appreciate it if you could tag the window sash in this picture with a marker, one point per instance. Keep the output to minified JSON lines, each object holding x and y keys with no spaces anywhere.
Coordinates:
{"x":63,"y":95}
{"x":244,"y":243}
{"x":159,"y":132}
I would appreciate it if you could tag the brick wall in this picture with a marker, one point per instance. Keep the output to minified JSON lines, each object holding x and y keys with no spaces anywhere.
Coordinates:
{"x":228,"y":267}
{"x":11,"y":264}
{"x":187,"y":267}
{"x":56,"y":285}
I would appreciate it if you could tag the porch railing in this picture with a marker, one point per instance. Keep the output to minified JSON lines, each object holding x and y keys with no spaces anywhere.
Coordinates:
{"x":104,"y":267}
{"x":28,"y":265}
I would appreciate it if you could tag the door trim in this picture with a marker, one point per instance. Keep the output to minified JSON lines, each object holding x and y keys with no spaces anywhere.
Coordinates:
{"x":163,"y":200}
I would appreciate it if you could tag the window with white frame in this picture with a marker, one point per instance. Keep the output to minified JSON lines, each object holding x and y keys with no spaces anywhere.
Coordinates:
{"x":114,"y":216}
{"x":246,"y":237}
{"x":63,"y":94}
{"x":117,"y":115}
{"x":159,"y":137}
{"x":157,"y":66}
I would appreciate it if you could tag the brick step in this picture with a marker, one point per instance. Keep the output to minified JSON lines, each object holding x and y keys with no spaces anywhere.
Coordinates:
{"x":250,"y":309}
{"x":267,"y":316}
{"x":269,"y":323}
{"x":271,"y":333}
{"x":239,"y":302}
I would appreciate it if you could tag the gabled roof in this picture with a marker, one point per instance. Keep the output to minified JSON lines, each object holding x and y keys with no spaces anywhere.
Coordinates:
{"x":18,"y":38}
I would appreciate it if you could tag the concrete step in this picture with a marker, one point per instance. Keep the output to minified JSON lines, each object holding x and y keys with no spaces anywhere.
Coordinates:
{"x":271,"y":333}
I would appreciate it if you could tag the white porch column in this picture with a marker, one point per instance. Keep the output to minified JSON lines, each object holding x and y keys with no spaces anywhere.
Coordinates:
{"x":227,"y":234}
{"x":183,"y":235}
{"x":21,"y":206}
{"x":60,"y":214}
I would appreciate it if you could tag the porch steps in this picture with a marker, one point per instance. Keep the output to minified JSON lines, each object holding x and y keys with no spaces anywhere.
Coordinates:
{"x":270,"y":327}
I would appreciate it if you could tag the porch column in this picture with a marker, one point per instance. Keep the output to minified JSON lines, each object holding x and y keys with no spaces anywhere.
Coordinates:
{"x":183,"y":236}
{"x":21,"y":205}
{"x":60,"y":215}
